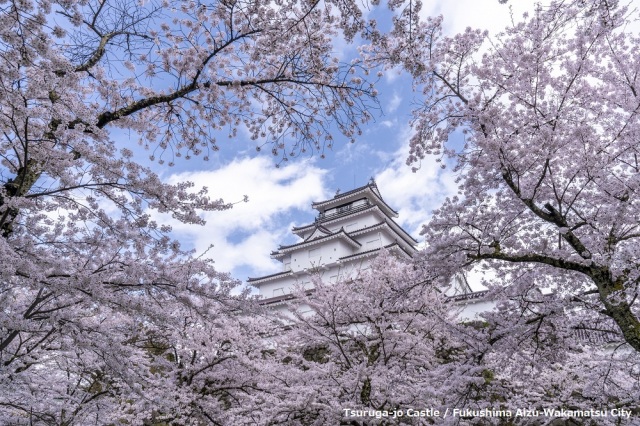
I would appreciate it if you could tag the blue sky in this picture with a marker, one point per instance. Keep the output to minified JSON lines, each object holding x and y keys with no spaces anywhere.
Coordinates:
{"x":240,"y":240}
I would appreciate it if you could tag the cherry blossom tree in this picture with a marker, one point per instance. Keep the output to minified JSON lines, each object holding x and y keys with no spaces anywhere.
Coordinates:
{"x":541,"y":123}
{"x":541,"y":355}
{"x":389,"y":341}
{"x":104,"y":318}
{"x":384,"y":340}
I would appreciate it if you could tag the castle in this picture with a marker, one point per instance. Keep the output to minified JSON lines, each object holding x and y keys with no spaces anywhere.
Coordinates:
{"x":348,"y":232}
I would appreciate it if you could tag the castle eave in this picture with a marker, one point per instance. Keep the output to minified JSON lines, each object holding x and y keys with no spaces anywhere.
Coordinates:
{"x":371,"y":189}
{"x":259,"y":280}
{"x":373,"y":252}
{"x":340,"y":234}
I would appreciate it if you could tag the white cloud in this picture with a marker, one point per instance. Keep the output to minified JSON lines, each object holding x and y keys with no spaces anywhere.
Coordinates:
{"x":482,"y":14}
{"x":393,"y":74}
{"x":394,"y":103}
{"x":414,"y":195}
{"x":243,"y":237}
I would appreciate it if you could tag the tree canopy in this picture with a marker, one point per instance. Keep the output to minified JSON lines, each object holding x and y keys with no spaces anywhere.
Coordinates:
{"x":548,"y":157}
{"x":99,"y":304}
{"x":106,"y":319}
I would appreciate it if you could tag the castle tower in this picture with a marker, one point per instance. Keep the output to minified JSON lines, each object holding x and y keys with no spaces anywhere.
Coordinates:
{"x":348,"y":232}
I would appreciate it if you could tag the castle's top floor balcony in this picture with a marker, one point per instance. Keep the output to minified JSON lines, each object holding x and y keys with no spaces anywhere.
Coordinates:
{"x":344,"y":210}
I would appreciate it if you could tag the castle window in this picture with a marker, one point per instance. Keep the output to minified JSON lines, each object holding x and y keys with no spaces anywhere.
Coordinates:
{"x":372,"y":243}
{"x":351,"y":227}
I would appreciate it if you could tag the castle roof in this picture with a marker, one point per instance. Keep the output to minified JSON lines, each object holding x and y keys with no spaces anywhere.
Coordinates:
{"x":341,"y":234}
{"x":408,"y":239}
{"x":269,"y":277}
{"x":327,"y":220}
{"x":369,"y":191}
{"x":391,"y":247}
{"x":319,"y":231}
